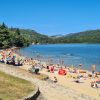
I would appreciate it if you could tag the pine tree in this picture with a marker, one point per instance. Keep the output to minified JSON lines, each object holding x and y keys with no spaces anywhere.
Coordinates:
{"x":3,"y":26}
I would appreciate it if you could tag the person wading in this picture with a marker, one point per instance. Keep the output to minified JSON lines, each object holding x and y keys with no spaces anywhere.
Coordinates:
{"x":93,"y":68}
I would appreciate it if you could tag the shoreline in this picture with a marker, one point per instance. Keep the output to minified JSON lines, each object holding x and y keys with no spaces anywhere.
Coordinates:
{"x":63,"y":80}
{"x":70,"y":57}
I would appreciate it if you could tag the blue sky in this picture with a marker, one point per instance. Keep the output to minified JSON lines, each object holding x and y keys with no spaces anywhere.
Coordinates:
{"x":51,"y":17}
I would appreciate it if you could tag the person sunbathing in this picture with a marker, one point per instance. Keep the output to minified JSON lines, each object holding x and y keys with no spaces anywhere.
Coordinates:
{"x":94,"y":84}
{"x":77,"y":80}
{"x":55,"y":80}
{"x":52,"y":69}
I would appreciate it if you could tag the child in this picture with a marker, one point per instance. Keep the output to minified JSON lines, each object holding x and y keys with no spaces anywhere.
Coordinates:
{"x":55,"y":80}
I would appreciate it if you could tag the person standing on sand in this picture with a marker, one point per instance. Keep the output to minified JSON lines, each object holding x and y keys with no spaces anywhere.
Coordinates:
{"x":93,"y":68}
{"x":80,"y":66}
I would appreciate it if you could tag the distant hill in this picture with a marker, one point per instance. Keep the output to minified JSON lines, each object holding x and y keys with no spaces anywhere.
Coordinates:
{"x":34,"y":36}
{"x":90,"y":36}
{"x":56,"y":36}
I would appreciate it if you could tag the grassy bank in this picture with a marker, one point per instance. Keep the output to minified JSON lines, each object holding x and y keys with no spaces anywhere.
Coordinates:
{"x":41,"y":76}
{"x":12,"y":88}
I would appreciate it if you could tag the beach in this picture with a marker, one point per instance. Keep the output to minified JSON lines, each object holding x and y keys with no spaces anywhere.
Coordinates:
{"x":50,"y":91}
{"x":64,"y":88}
{"x":83,"y":87}
{"x":49,"y":50}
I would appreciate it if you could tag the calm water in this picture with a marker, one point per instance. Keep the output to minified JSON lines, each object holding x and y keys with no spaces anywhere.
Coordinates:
{"x":70,"y":54}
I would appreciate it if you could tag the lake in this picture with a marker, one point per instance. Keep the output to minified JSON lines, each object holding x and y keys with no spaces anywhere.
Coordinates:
{"x":67,"y":54}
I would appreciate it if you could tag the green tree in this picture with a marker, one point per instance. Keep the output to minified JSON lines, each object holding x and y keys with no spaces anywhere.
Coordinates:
{"x":17,"y":31}
{"x":3,"y":25}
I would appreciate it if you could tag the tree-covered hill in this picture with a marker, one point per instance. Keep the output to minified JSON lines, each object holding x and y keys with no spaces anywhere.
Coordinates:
{"x":9,"y":38}
{"x":34,"y":36}
{"x":91,"y":36}
{"x":20,"y":37}
{"x":23,"y":37}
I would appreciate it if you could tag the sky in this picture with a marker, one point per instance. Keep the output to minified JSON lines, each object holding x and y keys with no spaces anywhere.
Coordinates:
{"x":51,"y":17}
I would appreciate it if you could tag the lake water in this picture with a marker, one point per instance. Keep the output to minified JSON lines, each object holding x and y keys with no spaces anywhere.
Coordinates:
{"x":68,"y":54}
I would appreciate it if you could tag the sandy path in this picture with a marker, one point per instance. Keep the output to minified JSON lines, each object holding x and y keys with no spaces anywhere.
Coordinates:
{"x":50,"y":91}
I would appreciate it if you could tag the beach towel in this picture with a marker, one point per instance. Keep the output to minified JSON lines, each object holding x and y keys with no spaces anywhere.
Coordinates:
{"x":62,"y":72}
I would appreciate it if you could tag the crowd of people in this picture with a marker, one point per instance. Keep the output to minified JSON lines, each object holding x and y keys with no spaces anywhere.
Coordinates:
{"x":9,"y":56}
{"x":77,"y":74}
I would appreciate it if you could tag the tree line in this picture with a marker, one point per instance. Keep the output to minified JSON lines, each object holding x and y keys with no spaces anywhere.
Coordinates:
{"x":24,"y":37}
{"x":9,"y":37}
{"x":90,"y":36}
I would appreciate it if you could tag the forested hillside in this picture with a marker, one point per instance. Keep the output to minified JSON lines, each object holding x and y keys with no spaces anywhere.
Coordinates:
{"x":91,"y":36}
{"x":9,"y":37}
{"x":20,"y":37}
{"x":24,"y":37}
{"x":35,"y":36}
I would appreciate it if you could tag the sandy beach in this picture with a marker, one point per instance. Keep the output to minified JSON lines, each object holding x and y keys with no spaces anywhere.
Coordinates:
{"x":61,"y":89}
{"x":84,"y":87}
{"x":49,"y":90}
